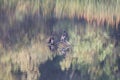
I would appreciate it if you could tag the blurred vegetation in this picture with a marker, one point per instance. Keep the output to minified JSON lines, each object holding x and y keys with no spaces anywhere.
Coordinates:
{"x":91,"y":54}
{"x":100,"y":11}
{"x":93,"y":27}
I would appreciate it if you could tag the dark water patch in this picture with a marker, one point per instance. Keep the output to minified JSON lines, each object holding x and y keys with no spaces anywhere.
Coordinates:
{"x":50,"y":70}
{"x":16,"y":33}
{"x":81,"y":20}
{"x":50,"y":23}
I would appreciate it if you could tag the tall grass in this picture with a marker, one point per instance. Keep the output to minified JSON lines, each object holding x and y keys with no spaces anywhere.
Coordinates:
{"x":92,"y":51}
{"x":87,"y":46}
{"x":91,"y":10}
{"x":25,"y":60}
{"x":90,"y":47}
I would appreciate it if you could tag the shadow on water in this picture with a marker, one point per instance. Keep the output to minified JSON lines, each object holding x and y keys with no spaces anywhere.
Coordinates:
{"x":50,"y":70}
